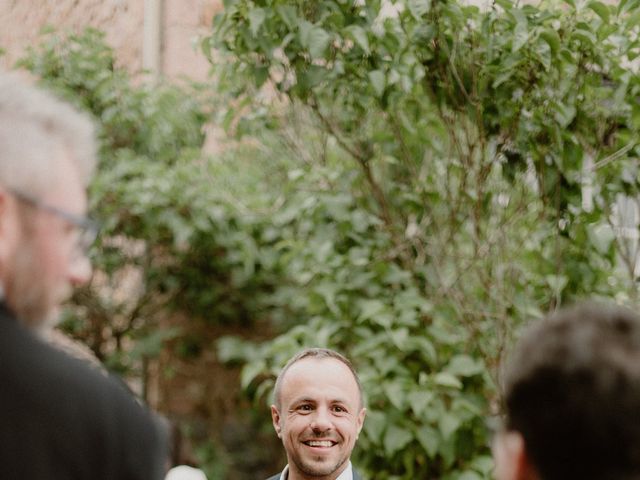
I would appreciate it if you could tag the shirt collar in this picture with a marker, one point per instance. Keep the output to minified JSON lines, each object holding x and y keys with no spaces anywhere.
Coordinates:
{"x":347,"y":474}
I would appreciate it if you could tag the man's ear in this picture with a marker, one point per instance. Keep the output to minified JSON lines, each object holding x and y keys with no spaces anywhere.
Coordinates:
{"x":511,"y":459}
{"x":275,"y":418}
{"x":360,"y":420}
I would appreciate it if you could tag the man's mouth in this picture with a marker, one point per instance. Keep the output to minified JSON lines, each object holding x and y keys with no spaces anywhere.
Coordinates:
{"x":320,"y":443}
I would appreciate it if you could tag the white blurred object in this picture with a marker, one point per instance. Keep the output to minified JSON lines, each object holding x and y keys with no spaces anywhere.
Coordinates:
{"x":184,"y":472}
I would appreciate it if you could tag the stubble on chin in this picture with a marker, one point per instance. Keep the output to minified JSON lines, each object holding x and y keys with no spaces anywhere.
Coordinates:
{"x":34,"y":309}
{"x":320,"y":471}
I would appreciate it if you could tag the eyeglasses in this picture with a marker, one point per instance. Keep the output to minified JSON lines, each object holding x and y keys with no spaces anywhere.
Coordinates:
{"x":87,"y":228}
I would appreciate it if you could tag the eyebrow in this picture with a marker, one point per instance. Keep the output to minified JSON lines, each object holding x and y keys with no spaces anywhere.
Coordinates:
{"x":296,"y":401}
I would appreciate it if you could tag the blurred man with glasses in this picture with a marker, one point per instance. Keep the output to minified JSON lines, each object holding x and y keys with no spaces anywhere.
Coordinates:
{"x":572,"y":396}
{"x":59,"y":419}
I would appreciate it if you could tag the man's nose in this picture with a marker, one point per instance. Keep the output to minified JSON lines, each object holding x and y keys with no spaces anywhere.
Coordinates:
{"x":79,"y":270}
{"x":321,"y":421}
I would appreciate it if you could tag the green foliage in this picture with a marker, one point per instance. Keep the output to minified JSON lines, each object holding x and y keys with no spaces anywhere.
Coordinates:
{"x":474,"y":170}
{"x":182,"y":235}
{"x":422,"y":177}
{"x":160,"y":123}
{"x":170,"y":240}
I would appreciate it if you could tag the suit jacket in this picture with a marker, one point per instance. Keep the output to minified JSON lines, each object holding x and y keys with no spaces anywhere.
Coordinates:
{"x":61,"y":419}
{"x":355,"y":476}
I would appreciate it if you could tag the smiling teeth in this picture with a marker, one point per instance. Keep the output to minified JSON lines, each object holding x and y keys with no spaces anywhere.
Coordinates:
{"x":319,"y":443}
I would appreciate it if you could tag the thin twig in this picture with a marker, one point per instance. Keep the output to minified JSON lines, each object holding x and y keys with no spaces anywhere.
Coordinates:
{"x":614,"y":156}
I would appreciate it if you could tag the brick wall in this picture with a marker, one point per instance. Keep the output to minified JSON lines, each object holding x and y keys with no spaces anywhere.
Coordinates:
{"x":122,"y":20}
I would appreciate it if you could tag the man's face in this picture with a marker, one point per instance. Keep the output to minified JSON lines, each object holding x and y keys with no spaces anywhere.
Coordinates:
{"x":319,"y":418}
{"x":40,"y":266}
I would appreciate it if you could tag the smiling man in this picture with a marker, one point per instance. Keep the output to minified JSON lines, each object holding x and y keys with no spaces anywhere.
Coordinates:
{"x":318,"y":414}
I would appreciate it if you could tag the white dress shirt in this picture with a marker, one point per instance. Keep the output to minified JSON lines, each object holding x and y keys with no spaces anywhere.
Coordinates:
{"x":347,"y":474}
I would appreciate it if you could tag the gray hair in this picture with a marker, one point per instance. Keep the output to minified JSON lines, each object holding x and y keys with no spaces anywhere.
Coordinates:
{"x":34,"y":126}
{"x":318,"y":354}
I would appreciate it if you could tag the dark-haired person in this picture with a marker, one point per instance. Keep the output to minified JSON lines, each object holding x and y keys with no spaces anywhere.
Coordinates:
{"x":318,"y":413}
{"x":60,"y":419}
{"x":572,"y":399}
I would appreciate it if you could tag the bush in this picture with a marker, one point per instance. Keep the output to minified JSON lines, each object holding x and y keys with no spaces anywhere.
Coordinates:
{"x":474,"y":166}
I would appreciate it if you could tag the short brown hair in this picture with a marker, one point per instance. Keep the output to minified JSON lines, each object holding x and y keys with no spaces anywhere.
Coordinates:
{"x":573,"y":391}
{"x":318,"y":354}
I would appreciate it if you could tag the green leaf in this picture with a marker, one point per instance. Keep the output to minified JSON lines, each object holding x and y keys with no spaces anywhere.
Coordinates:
{"x":445,"y":379}
{"x":304,"y":32}
{"x":314,"y":39}
{"x":448,"y":424}
{"x":419,"y":400}
{"x":464,"y":366}
{"x":395,"y":393}
{"x":502,"y":77}
{"x":288,"y":15}
{"x":621,"y":5}
{"x":633,"y":20}
{"x":312,"y":77}
{"x":521,"y":31}
{"x":370,"y":308}
{"x":585,"y":37}
{"x":557,"y":282}
{"x":601,"y":236}
{"x":543,"y":52}
{"x":483,"y":464}
{"x":426,"y":347}
{"x":505,"y":4}
{"x":328,"y":292}
{"x":377,"y":79}
{"x":260,"y":75}
{"x":564,"y":114}
{"x":251,"y":371}
{"x":257,"y":17}
{"x":601,"y":10}
{"x":151,"y":345}
{"x":360,"y":37}
{"x":232,"y":349}
{"x":418,"y":8}
{"x":429,"y":438}
{"x":375,"y":424}
{"x":399,"y":337}
{"x":396,"y":439}
{"x":552,"y":38}
{"x":470,"y":475}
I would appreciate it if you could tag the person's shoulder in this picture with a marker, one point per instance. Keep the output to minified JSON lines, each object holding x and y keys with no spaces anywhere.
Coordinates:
{"x":76,"y":407}
{"x":45,"y":379}
{"x":30,"y":365}
{"x":275,"y":477}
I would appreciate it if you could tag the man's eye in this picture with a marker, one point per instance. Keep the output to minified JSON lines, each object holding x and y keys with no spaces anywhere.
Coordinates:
{"x":305,"y":408}
{"x":339,"y":409}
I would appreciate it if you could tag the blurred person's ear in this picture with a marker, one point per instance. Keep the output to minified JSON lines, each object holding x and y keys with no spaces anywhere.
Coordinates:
{"x":510,"y":457}
{"x":8,"y":233}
